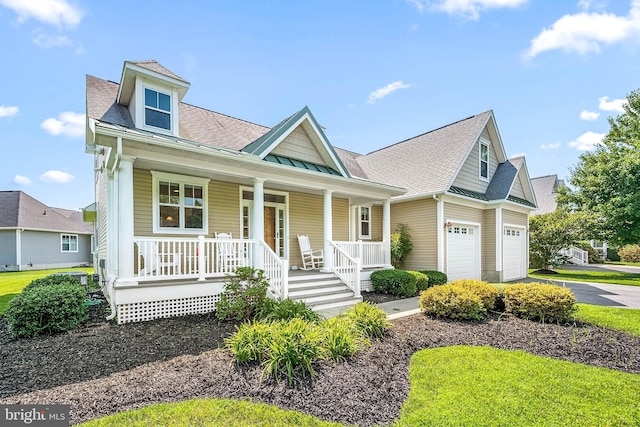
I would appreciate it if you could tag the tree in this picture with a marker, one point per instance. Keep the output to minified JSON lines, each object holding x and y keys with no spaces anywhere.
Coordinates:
{"x":401,"y":245}
{"x":550,"y":233}
{"x":606,"y":181}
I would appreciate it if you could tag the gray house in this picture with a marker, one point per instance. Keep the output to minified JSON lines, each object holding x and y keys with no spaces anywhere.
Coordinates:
{"x":34,"y":236}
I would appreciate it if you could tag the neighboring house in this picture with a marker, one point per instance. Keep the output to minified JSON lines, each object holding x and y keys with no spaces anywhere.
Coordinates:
{"x":184,"y":195}
{"x":467,"y":204}
{"x":34,"y":236}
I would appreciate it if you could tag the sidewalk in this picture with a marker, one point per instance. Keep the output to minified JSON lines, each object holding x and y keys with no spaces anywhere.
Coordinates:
{"x":400,"y":308}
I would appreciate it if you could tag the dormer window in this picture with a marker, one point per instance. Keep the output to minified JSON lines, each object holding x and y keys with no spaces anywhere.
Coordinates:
{"x":484,"y":161}
{"x":157,"y":109}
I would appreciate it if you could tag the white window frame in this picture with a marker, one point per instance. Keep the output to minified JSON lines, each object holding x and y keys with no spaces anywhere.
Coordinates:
{"x":138,"y":107}
{"x":69,"y":236}
{"x":480,"y":161}
{"x":361,"y":221}
{"x":145,"y":107}
{"x":182,"y":180}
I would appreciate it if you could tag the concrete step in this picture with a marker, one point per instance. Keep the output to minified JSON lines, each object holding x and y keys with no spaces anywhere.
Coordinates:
{"x":332,"y":305}
{"x":295,"y":293}
{"x":315,"y":284}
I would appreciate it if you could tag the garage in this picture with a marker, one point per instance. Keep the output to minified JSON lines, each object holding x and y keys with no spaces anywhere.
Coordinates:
{"x":463,"y":252}
{"x":514,"y":253}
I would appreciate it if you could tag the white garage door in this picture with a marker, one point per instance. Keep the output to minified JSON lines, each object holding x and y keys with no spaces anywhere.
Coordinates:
{"x":463,"y":252}
{"x":513,"y":258}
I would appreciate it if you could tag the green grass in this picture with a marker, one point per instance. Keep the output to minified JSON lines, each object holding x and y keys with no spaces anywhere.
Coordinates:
{"x":621,"y":319}
{"x":611,"y":277}
{"x":633,"y":264}
{"x":480,"y":386}
{"x":11,"y":283}
{"x":210,"y":412}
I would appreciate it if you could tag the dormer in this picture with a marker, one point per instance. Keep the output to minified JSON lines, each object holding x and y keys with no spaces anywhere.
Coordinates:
{"x":153,"y":95}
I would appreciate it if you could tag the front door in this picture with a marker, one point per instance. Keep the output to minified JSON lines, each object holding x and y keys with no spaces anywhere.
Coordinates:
{"x":270,"y":227}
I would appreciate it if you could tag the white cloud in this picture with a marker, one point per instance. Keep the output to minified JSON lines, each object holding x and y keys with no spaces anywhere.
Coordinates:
{"x":56,"y":176}
{"x":21,"y":180}
{"x":418,"y":4}
{"x":68,"y":123}
{"x":9,"y":111}
{"x":587,"y":141}
{"x":388,"y":89}
{"x":585,"y":32}
{"x":551,"y":146}
{"x":55,"y":12}
{"x":616,"y":105}
{"x":47,"y":41}
{"x":589,"y":115}
{"x":472,"y":8}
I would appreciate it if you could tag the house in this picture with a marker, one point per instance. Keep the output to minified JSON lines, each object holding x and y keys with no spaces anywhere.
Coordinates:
{"x":34,"y":236}
{"x":466,"y":204}
{"x":184,"y":195}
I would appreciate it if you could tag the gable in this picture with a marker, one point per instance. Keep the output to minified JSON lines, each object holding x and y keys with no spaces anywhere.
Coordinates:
{"x":468,"y":176}
{"x":298,"y":145}
{"x":517,"y":190}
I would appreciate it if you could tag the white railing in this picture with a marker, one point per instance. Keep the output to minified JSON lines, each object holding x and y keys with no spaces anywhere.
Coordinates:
{"x":371,"y":254}
{"x":346,"y":268}
{"x":276,"y":269}
{"x":190,"y":258}
{"x":576,"y":255}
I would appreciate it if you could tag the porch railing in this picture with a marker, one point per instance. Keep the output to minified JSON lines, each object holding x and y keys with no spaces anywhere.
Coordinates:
{"x":276,"y":269}
{"x":371,"y":254}
{"x":576,"y":255}
{"x":190,"y":258}
{"x":346,"y":268}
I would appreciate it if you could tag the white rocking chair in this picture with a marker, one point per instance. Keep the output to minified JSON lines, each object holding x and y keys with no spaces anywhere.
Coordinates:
{"x":230,"y":256}
{"x":310,"y":259}
{"x":157,"y":263}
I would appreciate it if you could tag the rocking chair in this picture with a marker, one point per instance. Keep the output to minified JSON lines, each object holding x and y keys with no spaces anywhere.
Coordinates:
{"x":310,"y":259}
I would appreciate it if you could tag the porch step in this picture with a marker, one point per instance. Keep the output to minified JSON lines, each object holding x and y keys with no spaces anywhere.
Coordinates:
{"x":321,"y":291}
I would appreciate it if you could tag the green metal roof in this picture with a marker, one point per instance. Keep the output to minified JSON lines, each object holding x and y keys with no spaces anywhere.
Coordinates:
{"x":301,"y":164}
{"x":468,"y":193}
{"x":521,"y":201}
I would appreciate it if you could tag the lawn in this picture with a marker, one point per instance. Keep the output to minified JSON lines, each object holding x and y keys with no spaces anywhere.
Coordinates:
{"x":612,"y":277}
{"x":621,"y":319}
{"x":450,"y":386}
{"x":11,"y":283}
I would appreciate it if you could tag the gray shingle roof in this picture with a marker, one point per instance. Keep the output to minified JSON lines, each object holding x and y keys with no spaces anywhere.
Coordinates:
{"x":153,"y":65}
{"x":19,"y":210}
{"x":503,"y":177}
{"x":544,"y":188}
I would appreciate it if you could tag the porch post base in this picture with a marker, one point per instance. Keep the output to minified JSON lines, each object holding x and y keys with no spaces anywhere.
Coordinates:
{"x":120,"y":283}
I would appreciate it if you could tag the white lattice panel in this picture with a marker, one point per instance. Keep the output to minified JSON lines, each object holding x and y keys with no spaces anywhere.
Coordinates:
{"x":149,"y":310}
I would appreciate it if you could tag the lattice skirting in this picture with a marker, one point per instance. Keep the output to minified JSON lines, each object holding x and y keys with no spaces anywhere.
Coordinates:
{"x":149,"y":310}
{"x":365,"y":285}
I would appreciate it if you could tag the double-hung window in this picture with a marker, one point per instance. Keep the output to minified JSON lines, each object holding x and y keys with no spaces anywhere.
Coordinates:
{"x":484,"y":161}
{"x":365,"y":222}
{"x":180,"y":204}
{"x":69,"y":242}
{"x":157,"y":109}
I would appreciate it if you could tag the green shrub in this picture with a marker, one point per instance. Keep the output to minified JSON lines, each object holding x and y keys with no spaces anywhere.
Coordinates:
{"x":538,"y":301}
{"x":272,"y":311}
{"x":452,"y":302}
{"x":343,"y":338}
{"x":629,"y":253}
{"x":245,"y":292}
{"x":47,"y":309}
{"x":487,"y":293}
{"x":422,"y":280}
{"x":293,"y":348}
{"x":594,"y":255}
{"x":435,"y":277}
{"x":369,"y":319}
{"x":250,"y":342}
{"x":401,"y":245}
{"x":52,"y":279}
{"x":612,"y":254}
{"x":394,"y":282}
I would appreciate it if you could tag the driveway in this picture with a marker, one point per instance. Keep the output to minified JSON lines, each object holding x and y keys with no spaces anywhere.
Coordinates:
{"x":601,"y":293}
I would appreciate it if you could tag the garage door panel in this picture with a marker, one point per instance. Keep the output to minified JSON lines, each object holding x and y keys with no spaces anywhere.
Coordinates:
{"x":514,"y":259}
{"x":463,"y":257}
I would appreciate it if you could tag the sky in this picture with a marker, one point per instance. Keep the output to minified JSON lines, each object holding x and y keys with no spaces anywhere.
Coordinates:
{"x":372,"y":72}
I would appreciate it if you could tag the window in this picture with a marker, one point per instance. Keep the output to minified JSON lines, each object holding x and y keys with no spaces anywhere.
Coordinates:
{"x":484,"y":161}
{"x":180,"y":204}
{"x":69,"y":242}
{"x":365,"y":222}
{"x":157,"y":109}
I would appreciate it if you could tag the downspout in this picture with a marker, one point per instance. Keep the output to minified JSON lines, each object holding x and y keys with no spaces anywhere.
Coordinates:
{"x":440,"y":231}
{"x":112,"y":303}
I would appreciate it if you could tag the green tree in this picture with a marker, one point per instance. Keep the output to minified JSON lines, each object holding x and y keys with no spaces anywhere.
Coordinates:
{"x":401,"y":245}
{"x":606,"y":181}
{"x":550,"y":233}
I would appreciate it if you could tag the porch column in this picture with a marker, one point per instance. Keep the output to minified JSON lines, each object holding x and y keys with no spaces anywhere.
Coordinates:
{"x":258,"y":221}
{"x":353,"y":227}
{"x":125,"y":219}
{"x":328,"y":232}
{"x":386,"y":232}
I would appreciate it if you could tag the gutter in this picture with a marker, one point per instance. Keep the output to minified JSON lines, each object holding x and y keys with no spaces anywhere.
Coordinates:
{"x":112,"y":304}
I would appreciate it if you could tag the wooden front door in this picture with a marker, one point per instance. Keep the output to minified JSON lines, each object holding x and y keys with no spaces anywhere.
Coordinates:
{"x":270,"y":227}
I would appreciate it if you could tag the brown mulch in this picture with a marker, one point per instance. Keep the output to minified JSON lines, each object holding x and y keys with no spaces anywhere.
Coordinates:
{"x":105,"y":368}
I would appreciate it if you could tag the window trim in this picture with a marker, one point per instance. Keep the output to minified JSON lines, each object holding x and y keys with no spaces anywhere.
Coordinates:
{"x":146,"y":87}
{"x":480,"y":161}
{"x":62,"y":236}
{"x":182,"y":180}
{"x":138,"y":107}
{"x":360,"y":222}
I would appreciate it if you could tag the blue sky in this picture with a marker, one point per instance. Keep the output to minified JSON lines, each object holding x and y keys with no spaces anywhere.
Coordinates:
{"x":373,"y":73}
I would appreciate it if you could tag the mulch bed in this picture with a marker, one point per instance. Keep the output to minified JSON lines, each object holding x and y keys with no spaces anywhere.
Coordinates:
{"x":104,"y":368}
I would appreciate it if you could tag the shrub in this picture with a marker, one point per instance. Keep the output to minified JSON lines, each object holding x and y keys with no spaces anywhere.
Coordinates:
{"x":250,"y":342}
{"x":47,"y":309}
{"x":245,"y":292}
{"x":487,"y":293}
{"x":343,"y":338}
{"x":612,"y":255}
{"x":435,"y":277}
{"x":453,"y":302}
{"x":629,"y":253}
{"x":594,"y":255}
{"x":272,"y":310}
{"x":395,"y":282}
{"x":293,"y":348}
{"x":401,"y":245}
{"x":52,"y":279}
{"x":369,"y":319}
{"x":538,"y":301}
{"x":422,"y":280}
